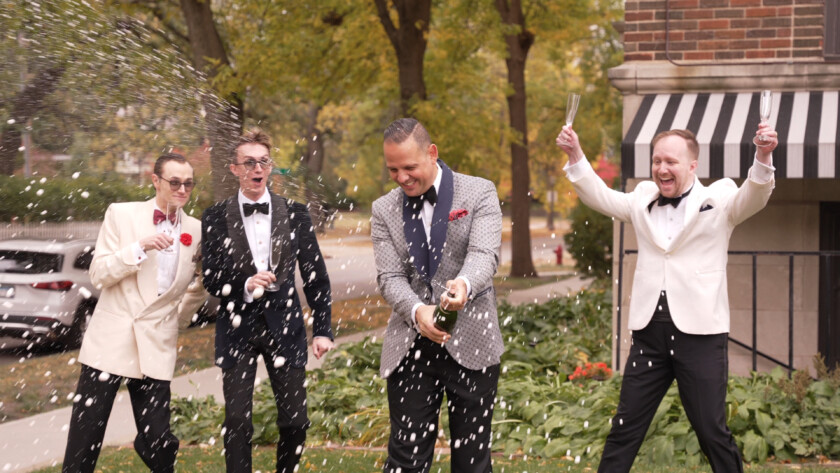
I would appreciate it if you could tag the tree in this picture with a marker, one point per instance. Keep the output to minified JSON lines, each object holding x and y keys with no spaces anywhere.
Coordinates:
{"x":518,"y":40}
{"x":225,"y":114}
{"x":408,"y":37}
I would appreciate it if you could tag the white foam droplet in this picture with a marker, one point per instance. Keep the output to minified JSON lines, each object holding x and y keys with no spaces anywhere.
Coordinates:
{"x":279,"y":361}
{"x":258,"y":292}
{"x":236,"y":321}
{"x":226,"y":290}
{"x":104,"y":376}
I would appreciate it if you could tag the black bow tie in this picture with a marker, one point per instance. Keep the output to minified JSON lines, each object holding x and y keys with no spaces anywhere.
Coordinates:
{"x":417,"y":202}
{"x":249,"y":209}
{"x":675,"y":201}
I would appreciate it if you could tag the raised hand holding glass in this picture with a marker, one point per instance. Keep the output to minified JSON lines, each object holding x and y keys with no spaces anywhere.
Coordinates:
{"x":764,"y":109}
{"x":571,"y":108}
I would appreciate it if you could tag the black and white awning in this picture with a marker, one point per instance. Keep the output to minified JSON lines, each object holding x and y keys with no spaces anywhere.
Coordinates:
{"x":725,"y":123}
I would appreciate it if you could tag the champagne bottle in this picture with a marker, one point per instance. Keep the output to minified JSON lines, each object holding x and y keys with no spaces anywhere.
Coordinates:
{"x":445,"y":319}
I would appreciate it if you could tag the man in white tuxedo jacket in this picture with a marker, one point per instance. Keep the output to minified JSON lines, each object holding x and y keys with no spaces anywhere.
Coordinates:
{"x":146,"y":268}
{"x":679,"y":306}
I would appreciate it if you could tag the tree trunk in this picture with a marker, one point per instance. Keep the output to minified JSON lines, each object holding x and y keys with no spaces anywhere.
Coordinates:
{"x":518,"y":45}
{"x":224,"y":117}
{"x":24,"y":107}
{"x":319,"y":211}
{"x":409,"y":41}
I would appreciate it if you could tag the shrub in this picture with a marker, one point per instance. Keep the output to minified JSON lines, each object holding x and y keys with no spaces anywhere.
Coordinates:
{"x":590,"y":241}
{"x":59,"y":199}
{"x":539,"y":412}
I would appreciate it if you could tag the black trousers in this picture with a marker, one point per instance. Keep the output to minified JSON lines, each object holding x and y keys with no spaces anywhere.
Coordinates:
{"x":659,"y":354}
{"x":155,"y":443}
{"x":287,"y":383}
{"x":415,"y":393}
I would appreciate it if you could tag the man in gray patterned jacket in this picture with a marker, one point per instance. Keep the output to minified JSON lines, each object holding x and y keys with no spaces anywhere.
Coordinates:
{"x":438,"y":230}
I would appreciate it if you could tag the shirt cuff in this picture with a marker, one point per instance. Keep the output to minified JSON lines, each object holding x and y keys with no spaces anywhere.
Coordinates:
{"x":414,"y":315}
{"x":247,"y":296}
{"x":139,"y":254}
{"x":467,"y":282}
{"x":575,"y":172}
{"x":762,"y":173}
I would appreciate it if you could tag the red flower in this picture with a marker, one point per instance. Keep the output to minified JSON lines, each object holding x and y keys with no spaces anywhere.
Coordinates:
{"x":186,"y":239}
{"x":598,"y":371}
{"x":456,"y":214}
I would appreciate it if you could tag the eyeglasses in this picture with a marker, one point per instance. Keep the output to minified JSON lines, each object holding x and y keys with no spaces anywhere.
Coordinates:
{"x":175,"y":184}
{"x":251,"y":164}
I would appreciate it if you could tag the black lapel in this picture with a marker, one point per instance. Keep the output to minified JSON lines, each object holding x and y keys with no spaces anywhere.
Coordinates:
{"x":415,"y":237}
{"x":281,"y":243}
{"x":236,"y":233}
{"x":440,"y":218}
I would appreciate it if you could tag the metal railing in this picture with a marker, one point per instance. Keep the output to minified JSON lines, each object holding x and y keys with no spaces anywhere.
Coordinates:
{"x":754,"y":347}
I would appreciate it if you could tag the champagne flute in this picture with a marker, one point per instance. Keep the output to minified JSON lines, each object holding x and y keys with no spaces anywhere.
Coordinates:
{"x":764,"y":109}
{"x":571,"y":108}
{"x":169,"y":227}
{"x":273,"y":262}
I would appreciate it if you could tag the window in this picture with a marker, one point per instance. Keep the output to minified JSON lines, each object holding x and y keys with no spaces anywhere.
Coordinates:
{"x":29,"y":262}
{"x":84,"y":259}
{"x":831,"y":45}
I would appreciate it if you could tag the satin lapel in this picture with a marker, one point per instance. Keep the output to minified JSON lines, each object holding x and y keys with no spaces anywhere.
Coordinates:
{"x":281,"y":236}
{"x":440,"y":218}
{"x":415,"y":237}
{"x":147,"y":275}
{"x":236,"y":233}
{"x":647,"y":226}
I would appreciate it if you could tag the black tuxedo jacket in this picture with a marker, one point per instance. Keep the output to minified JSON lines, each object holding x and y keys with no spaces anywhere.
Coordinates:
{"x":228,"y":263}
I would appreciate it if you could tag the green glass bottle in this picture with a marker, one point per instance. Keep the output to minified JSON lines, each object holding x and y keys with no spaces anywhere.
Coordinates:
{"x":445,"y":319}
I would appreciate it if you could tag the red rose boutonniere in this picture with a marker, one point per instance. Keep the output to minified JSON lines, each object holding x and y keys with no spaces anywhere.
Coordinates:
{"x":186,"y":239}
{"x":456,"y":214}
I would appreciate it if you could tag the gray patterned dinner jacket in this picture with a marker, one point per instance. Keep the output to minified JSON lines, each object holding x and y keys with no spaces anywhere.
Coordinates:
{"x":466,"y":238}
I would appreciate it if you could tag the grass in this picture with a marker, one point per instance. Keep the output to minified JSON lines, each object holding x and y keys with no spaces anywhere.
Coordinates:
{"x":46,"y":382}
{"x":328,"y":460}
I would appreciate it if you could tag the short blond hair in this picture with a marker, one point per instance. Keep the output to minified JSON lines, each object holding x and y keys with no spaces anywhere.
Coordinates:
{"x":687,"y":135}
{"x":254,"y":135}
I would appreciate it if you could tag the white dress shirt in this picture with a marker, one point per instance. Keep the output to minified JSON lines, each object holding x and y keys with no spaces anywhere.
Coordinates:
{"x":167,"y":262}
{"x":257,"y":228}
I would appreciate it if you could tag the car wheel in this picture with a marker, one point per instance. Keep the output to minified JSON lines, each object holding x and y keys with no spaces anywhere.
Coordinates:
{"x":72,"y":337}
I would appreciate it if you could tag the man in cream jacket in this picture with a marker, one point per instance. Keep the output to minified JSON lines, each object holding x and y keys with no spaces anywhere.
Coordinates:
{"x":145,"y":264}
{"x":679,"y":306}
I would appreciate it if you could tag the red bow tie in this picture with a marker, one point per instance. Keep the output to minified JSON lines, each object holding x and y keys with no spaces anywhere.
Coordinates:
{"x":160,"y":217}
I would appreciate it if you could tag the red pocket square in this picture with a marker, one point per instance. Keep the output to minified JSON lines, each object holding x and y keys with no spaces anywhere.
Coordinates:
{"x":456,"y":214}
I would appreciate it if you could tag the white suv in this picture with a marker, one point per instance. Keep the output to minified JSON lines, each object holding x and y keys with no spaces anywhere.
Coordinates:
{"x":45,"y":290}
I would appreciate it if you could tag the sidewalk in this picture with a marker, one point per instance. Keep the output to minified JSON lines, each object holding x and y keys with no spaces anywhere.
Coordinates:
{"x":39,"y":441}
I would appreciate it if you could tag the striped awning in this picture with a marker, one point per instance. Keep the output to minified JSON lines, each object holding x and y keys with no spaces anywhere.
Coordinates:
{"x":725,"y":123}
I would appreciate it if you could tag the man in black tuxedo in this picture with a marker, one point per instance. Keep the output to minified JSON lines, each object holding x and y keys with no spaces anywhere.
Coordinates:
{"x":242,"y":236}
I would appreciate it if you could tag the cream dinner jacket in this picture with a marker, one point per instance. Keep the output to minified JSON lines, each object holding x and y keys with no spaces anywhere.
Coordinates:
{"x":134,"y":332}
{"x":693,"y":269}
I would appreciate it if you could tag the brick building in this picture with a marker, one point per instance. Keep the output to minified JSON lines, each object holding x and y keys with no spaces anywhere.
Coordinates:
{"x":700,"y":65}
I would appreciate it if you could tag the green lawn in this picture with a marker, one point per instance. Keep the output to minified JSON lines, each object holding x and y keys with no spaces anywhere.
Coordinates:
{"x":210,"y":460}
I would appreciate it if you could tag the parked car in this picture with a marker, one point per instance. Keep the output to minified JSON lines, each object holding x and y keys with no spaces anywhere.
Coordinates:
{"x":45,"y":291}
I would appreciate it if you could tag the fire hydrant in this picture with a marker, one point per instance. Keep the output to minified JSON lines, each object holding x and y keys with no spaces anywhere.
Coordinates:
{"x":559,"y":252}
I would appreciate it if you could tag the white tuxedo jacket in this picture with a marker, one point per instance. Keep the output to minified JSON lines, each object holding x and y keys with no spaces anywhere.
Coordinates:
{"x":693,"y":269}
{"x":134,"y":332}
